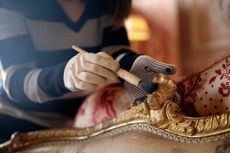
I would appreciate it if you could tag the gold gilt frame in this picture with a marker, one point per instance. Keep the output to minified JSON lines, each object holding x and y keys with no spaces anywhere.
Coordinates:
{"x":158,"y":116}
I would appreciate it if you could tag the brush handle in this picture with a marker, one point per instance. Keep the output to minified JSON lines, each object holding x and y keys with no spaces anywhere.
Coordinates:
{"x":79,"y":50}
{"x":149,"y":87}
{"x":129,"y":77}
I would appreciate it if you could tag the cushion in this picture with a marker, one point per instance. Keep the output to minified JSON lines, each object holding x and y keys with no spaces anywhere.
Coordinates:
{"x":102,"y":105}
{"x":207,"y":92}
{"x":203,"y":93}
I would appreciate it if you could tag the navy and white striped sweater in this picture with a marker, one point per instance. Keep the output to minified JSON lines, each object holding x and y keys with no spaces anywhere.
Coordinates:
{"x":35,"y":44}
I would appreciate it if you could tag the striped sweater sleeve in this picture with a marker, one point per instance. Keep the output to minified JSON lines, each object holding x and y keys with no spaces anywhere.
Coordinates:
{"x":22,"y":79}
{"x":24,"y":83}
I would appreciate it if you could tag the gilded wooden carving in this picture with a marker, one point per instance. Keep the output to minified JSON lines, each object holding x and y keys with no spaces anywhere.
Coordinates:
{"x":158,"y":115}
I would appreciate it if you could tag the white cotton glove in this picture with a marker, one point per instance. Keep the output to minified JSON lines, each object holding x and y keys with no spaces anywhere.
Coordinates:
{"x":86,"y":71}
{"x":146,"y":68}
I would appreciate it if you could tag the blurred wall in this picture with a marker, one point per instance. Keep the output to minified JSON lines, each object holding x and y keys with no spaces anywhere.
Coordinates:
{"x":205,"y":32}
{"x":191,"y":34}
{"x":162,"y":17}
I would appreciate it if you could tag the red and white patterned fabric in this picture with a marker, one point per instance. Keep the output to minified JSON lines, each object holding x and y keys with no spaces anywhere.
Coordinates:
{"x":203,"y":93}
{"x":102,"y":105}
{"x":207,"y":92}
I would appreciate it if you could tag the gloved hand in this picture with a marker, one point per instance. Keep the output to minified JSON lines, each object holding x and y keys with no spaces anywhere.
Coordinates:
{"x":146,"y":68}
{"x":86,"y":71}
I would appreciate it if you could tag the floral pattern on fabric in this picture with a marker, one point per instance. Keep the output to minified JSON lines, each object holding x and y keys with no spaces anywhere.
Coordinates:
{"x":203,"y":93}
{"x":223,"y":72}
{"x":208,"y":91}
{"x":102,"y":105}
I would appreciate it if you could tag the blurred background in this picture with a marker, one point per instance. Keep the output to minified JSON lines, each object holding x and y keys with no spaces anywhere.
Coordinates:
{"x":191,"y":34}
{"x":188,"y":33}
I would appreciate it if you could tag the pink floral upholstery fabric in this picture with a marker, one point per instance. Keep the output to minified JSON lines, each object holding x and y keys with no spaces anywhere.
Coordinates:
{"x":102,"y":105}
{"x":207,"y":92}
{"x":203,"y":93}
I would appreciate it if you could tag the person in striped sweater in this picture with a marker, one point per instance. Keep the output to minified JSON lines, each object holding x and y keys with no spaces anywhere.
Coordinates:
{"x":44,"y":80}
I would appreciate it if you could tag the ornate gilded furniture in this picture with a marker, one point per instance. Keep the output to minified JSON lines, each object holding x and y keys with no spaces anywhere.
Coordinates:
{"x":158,"y":125}
{"x":143,"y":127}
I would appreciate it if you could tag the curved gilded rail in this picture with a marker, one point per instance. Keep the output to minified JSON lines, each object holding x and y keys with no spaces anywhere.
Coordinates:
{"x":158,"y":115}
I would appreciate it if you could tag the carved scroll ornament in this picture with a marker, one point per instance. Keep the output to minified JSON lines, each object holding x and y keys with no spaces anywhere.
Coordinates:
{"x":158,"y":115}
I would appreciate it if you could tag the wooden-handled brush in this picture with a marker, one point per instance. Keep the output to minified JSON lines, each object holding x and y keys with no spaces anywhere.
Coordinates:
{"x":147,"y":86}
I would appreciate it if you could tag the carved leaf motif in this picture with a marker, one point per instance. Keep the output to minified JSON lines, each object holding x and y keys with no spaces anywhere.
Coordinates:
{"x":215,"y":122}
{"x":223,"y":121}
{"x":208,"y":124}
{"x":200,"y":125}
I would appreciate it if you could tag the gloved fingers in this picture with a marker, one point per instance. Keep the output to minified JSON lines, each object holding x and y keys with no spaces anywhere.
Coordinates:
{"x":101,"y":60}
{"x":76,"y":83}
{"x":87,"y":70}
{"x":105,"y":55}
{"x":115,"y":78}
{"x":163,"y":67}
{"x":135,"y":93}
{"x":100,"y":71}
{"x":146,"y":68}
{"x":91,"y":78}
{"x":160,"y":66}
{"x":151,"y":65}
{"x":84,"y":85}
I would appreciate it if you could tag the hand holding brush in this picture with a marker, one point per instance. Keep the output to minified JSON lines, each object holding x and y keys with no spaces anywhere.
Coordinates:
{"x":144,"y":85}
